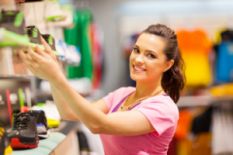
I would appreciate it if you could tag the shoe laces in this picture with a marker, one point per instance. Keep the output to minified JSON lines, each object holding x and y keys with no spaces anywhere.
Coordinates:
{"x":21,"y":121}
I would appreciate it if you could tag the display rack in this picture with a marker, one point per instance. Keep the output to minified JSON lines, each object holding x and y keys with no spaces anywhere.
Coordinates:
{"x":195,"y":101}
{"x":65,"y":136}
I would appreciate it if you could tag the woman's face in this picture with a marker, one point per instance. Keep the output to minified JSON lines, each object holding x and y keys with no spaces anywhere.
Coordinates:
{"x":147,"y":60}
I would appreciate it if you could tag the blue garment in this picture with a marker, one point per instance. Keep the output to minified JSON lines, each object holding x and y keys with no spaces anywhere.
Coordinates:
{"x":224,"y":63}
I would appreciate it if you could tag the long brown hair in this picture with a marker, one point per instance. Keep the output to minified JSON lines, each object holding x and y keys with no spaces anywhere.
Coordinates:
{"x":173,"y":80}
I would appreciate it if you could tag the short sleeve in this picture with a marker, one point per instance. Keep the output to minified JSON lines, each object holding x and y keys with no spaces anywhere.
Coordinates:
{"x":109,"y":99}
{"x":114,"y":97}
{"x":162,"y":116}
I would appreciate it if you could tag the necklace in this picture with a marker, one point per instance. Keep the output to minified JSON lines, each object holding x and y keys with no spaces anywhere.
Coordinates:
{"x":125,"y":107}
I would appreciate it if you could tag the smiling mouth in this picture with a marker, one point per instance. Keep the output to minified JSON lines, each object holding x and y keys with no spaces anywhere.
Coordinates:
{"x":138,"y":69}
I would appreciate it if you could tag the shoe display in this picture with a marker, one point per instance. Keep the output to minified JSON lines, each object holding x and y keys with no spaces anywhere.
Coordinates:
{"x":51,"y":112}
{"x":13,"y":21}
{"x":5,"y":148}
{"x":24,"y":134}
{"x":11,"y":39}
{"x":67,"y":53}
{"x":57,"y":15}
{"x":50,"y":40}
{"x":34,"y":34}
{"x":12,"y":31}
{"x":41,"y":123}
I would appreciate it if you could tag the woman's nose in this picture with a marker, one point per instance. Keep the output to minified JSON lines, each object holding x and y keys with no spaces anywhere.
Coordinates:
{"x":139,"y":58}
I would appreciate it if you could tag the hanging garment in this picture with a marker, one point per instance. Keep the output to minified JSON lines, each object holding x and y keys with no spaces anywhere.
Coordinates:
{"x":83,"y":143}
{"x":184,"y":124}
{"x":224,"y":63}
{"x":202,"y":122}
{"x":201,"y":144}
{"x":195,"y":47}
{"x":222,"y":90}
{"x":79,"y":36}
{"x":222,"y":128}
{"x":97,"y":57}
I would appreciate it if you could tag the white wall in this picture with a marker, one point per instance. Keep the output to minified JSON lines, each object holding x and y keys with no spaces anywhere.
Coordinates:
{"x":118,"y":18}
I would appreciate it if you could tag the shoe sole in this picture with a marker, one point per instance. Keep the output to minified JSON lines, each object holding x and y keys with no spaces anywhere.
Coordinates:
{"x":16,"y":144}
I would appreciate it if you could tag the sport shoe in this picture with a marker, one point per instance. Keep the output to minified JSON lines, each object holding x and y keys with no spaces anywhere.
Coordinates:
{"x":24,"y":134}
{"x":50,"y":40}
{"x":34,"y":34}
{"x":12,"y":31}
{"x":13,"y":21}
{"x":51,"y":113}
{"x":41,"y":123}
{"x":5,"y":148}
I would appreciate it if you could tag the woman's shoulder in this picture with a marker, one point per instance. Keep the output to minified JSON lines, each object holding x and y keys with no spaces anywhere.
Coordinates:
{"x":162,"y":98}
{"x":119,"y":93}
{"x":164,"y":103}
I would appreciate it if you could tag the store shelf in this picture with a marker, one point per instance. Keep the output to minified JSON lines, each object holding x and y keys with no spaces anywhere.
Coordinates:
{"x":195,"y":101}
{"x":191,"y":101}
{"x":16,"y":77}
{"x":56,"y":144}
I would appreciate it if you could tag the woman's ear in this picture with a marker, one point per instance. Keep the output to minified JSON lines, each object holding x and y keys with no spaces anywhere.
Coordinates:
{"x":169,"y":65}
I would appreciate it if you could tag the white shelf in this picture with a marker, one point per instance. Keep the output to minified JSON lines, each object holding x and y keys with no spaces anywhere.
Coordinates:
{"x":195,"y":101}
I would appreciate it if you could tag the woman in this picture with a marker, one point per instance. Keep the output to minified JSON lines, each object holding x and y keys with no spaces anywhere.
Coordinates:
{"x":130,"y":121}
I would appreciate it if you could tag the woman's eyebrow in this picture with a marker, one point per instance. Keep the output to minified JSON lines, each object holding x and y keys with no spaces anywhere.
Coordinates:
{"x":152,"y":51}
{"x":136,"y":46}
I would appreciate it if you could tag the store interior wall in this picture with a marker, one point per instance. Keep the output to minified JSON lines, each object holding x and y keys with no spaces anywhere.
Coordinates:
{"x":119,"y":17}
{"x":105,"y":16}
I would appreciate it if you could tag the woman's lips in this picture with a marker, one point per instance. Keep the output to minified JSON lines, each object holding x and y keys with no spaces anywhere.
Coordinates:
{"x":138,"y":68}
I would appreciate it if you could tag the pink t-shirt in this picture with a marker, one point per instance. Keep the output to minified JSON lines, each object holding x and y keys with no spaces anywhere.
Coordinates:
{"x":161,"y":112}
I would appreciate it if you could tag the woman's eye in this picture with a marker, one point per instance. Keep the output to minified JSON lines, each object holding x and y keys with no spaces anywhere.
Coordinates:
{"x":152,"y":56}
{"x":136,"y":50}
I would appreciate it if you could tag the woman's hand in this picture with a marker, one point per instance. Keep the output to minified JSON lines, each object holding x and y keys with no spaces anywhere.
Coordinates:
{"x":42,"y":63}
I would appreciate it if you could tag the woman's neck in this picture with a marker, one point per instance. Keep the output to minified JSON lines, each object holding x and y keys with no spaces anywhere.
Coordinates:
{"x":147,"y":89}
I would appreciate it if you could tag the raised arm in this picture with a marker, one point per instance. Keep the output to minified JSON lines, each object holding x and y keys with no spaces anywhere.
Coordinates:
{"x":44,"y":65}
{"x":66,"y":111}
{"x":121,"y":123}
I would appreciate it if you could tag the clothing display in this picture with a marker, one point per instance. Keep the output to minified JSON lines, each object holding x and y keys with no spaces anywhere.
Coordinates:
{"x":224,"y":63}
{"x":92,"y":43}
{"x":222,"y":129}
{"x":79,"y":36}
{"x":222,"y":90}
{"x":195,"y":47}
{"x":83,"y":142}
{"x":160,"y":111}
{"x":97,"y":56}
{"x":202,"y":122}
{"x":184,"y":124}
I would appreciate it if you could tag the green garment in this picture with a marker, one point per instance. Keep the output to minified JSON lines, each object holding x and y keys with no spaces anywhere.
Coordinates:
{"x":79,"y":36}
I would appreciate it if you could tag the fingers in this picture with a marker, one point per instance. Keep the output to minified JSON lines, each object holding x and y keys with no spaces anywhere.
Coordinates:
{"x":39,"y":51}
{"x":45,"y":44}
{"x":28,"y":59}
{"x":29,"y":56}
{"x":48,"y":49}
{"x":23,"y":55}
{"x":37,"y":56}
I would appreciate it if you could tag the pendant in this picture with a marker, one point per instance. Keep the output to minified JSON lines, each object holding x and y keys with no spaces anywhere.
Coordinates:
{"x":122,"y":108}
